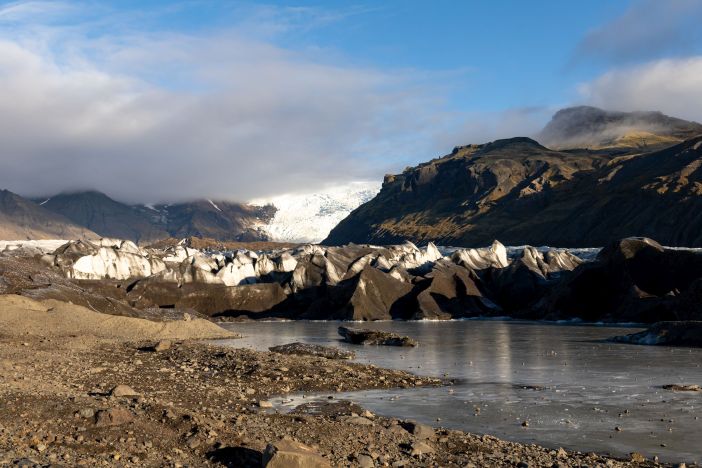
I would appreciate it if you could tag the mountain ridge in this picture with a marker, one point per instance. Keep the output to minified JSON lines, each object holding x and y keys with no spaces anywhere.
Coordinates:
{"x":222,"y":220}
{"x":21,"y":219}
{"x":522,"y":192}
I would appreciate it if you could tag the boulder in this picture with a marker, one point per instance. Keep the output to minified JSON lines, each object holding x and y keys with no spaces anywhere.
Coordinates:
{"x":420,"y":431}
{"x":113,"y":417}
{"x":667,"y":334}
{"x":304,"y":349}
{"x":683,"y":387}
{"x":291,"y":454}
{"x":123,"y":391}
{"x":374,"y":337}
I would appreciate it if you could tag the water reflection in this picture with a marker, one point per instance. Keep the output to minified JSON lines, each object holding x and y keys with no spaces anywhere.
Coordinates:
{"x":571,"y":386}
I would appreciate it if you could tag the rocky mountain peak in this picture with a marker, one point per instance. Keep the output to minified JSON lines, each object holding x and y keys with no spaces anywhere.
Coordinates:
{"x":591,"y":127}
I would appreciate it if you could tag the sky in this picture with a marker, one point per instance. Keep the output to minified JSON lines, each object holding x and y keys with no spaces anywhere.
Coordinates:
{"x":156,"y":101}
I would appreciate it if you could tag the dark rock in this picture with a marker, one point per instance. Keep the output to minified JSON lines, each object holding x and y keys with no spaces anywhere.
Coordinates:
{"x":632,"y":280}
{"x":683,"y":388}
{"x":370,"y":295}
{"x":236,"y":456}
{"x":520,"y":285}
{"x":375,"y":337}
{"x":666,"y":334}
{"x":305,"y":349}
{"x":451,"y":291}
{"x":215,"y":300}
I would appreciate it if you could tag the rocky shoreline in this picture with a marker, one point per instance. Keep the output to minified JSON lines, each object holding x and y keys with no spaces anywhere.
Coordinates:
{"x":197,"y":404}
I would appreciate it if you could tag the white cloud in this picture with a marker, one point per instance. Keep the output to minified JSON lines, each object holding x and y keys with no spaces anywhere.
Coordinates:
{"x":162,"y":116}
{"x":646,"y":30}
{"x":672,"y":86}
{"x":483,"y":127}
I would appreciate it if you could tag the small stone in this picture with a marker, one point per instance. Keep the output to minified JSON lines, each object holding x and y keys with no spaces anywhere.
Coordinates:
{"x":359,"y":421}
{"x":421,"y":448}
{"x":162,"y":345}
{"x":561,"y":453}
{"x":636,"y":457}
{"x":193,"y":442}
{"x":265,"y":404}
{"x":123,"y":391}
{"x":86,"y":413}
{"x":364,"y":461}
{"x":618,"y":429}
{"x":525,"y":423}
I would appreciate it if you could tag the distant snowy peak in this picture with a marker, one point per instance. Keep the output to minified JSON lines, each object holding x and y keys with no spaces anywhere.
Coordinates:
{"x":310,"y":217}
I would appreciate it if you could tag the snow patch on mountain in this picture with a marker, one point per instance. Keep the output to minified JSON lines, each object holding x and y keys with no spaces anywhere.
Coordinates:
{"x":214,"y":205}
{"x":308,"y":218}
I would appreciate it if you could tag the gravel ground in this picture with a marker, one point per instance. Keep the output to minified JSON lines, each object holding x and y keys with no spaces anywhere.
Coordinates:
{"x":197,"y":404}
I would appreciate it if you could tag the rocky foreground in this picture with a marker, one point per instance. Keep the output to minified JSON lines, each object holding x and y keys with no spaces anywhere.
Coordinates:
{"x":81,"y":399}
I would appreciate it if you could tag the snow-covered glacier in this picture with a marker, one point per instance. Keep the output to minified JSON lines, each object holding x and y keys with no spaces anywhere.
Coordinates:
{"x":308,"y":218}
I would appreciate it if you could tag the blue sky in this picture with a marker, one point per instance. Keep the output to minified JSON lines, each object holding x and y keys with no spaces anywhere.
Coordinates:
{"x":309,"y":94}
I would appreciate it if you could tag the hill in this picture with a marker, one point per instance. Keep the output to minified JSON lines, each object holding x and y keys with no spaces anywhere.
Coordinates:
{"x":23,"y":219}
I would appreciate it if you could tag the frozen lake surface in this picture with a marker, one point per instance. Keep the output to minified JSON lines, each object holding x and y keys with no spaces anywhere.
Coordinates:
{"x":572,"y":387}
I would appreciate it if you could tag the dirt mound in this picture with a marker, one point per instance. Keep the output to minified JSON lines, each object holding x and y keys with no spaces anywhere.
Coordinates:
{"x":21,"y":316}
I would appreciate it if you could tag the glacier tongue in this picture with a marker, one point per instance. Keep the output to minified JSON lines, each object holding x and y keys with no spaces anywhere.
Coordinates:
{"x":308,"y":218}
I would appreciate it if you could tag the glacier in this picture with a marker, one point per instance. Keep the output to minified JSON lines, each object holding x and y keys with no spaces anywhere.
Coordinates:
{"x":308,"y":218}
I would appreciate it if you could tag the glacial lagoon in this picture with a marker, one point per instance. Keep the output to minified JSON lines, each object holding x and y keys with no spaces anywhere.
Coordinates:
{"x":575,"y":389}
